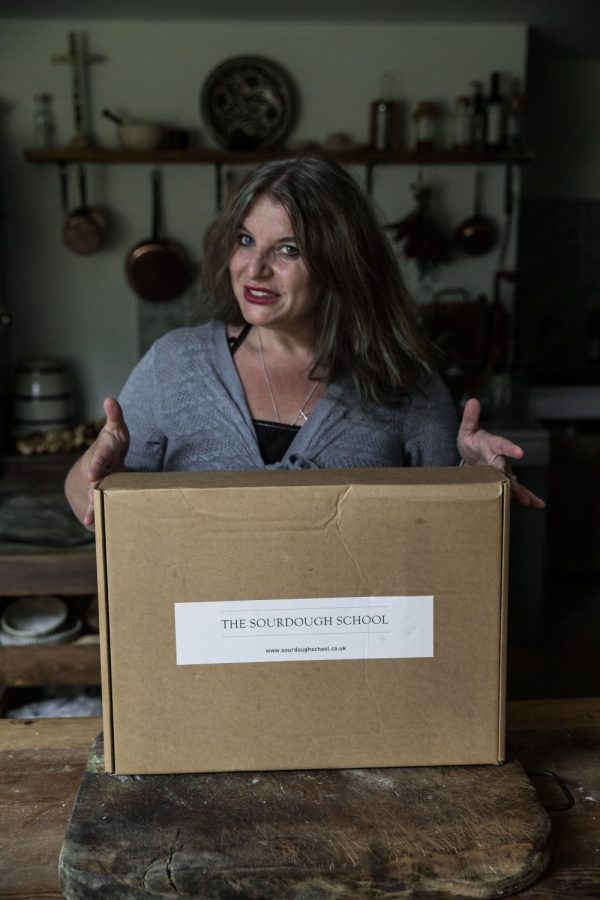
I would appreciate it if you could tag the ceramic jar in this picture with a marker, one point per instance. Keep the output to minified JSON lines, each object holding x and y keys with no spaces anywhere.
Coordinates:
{"x":42,"y":396}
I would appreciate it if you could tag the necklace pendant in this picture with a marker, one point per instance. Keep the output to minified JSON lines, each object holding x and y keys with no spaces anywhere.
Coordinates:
{"x":301,"y":414}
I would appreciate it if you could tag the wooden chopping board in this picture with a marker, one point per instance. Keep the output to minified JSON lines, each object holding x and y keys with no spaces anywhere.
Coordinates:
{"x":453,"y":831}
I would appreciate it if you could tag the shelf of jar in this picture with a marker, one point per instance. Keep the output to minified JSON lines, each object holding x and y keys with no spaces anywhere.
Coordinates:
{"x":214,"y":156}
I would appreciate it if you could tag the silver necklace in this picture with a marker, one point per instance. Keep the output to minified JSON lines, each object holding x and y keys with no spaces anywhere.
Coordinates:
{"x":300,"y":414}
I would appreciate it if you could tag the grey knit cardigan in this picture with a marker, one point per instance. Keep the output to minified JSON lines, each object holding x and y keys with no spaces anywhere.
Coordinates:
{"x":186,"y":410}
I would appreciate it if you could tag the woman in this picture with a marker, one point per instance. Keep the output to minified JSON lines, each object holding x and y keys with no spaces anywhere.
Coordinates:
{"x":313,"y":358}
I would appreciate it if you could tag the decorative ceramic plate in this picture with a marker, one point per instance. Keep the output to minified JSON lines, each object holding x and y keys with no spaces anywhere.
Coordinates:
{"x":249,"y":102}
{"x":34,"y":617}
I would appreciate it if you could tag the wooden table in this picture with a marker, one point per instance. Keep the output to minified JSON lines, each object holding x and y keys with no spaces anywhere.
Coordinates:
{"x":42,"y":762}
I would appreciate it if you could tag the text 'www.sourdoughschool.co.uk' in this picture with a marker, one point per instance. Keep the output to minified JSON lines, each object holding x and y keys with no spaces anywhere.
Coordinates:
{"x":246,"y":631}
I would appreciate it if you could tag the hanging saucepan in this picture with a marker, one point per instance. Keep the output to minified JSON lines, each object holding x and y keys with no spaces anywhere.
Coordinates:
{"x":84,"y":227}
{"x":477,"y":234}
{"x":157,"y":269}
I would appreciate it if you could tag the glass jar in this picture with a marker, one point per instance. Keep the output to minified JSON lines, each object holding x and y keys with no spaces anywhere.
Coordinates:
{"x":43,"y":121}
{"x":426,"y":117}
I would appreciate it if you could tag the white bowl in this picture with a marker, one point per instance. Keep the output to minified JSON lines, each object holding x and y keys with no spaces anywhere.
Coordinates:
{"x":34,"y":617}
{"x":139,"y":135}
{"x":65,"y":636}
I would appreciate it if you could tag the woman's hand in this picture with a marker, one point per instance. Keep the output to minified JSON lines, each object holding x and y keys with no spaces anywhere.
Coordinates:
{"x":105,"y":456}
{"x":108,"y":452}
{"x":111,"y":445}
{"x":478,"y":447}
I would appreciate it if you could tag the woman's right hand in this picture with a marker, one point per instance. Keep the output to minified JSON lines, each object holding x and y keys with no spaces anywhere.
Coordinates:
{"x":105,"y":456}
{"x":111,"y":445}
{"x":109,"y":451}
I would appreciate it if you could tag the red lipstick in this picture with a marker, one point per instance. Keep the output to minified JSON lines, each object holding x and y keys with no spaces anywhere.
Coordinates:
{"x":259,"y":296}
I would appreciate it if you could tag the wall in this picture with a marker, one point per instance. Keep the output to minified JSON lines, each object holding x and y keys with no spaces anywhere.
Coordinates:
{"x":565,"y":127}
{"x":79,"y":308}
{"x":560,"y":223}
{"x":559,"y":303}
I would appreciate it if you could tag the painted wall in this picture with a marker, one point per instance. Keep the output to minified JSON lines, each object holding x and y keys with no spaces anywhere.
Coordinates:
{"x":80,"y":309}
{"x":559,"y":264}
{"x":565,"y":128}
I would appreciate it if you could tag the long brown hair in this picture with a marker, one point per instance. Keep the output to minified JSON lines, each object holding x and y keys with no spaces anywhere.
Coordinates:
{"x":365,"y":326}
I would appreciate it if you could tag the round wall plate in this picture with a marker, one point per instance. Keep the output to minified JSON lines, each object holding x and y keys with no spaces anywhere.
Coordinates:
{"x":249,"y":103}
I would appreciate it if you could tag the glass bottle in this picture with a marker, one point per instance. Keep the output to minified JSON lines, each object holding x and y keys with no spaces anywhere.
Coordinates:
{"x":384,"y":118}
{"x":514,"y":117}
{"x":477,"y":117}
{"x":461,"y":124}
{"x":43,"y":121}
{"x":494,"y":115}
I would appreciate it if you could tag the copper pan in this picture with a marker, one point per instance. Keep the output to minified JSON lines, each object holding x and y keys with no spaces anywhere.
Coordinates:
{"x":84,"y":228}
{"x":477,"y":234}
{"x":157,"y":269}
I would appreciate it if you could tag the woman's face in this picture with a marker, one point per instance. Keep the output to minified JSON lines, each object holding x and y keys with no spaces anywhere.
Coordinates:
{"x":269,"y":278}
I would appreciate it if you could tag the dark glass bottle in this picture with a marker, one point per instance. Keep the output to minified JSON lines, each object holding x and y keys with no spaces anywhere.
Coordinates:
{"x":478,"y":117}
{"x":494,"y":115}
{"x":514,"y":117}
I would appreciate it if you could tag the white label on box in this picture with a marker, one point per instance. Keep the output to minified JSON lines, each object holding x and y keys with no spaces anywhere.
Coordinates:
{"x":249,"y":631}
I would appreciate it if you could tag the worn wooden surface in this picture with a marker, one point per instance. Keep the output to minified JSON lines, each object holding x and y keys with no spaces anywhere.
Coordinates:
{"x":564,"y":737}
{"x":475,"y":831}
{"x":65,"y":572}
{"x":65,"y":664}
{"x":41,"y":765}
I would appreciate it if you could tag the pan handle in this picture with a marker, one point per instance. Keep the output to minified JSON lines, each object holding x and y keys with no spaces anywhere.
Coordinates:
{"x":156,"y":208}
{"x":82,"y":186}
{"x":478,"y":191}
{"x":64,"y":186}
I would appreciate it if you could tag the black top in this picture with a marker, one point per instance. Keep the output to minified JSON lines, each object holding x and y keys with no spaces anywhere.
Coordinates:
{"x":274,"y":438}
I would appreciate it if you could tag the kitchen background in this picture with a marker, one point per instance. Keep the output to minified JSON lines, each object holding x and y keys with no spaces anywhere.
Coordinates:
{"x":155,"y":58}
{"x":80,"y":309}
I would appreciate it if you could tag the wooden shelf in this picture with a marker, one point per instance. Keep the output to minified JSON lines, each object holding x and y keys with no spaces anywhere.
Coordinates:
{"x":63,"y":572}
{"x":212,"y":156}
{"x":362,"y":156}
{"x":39,"y":467}
{"x":35,"y":666}
{"x":68,"y":574}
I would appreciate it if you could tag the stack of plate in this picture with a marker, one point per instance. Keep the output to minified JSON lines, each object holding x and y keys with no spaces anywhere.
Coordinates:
{"x":39,"y":621}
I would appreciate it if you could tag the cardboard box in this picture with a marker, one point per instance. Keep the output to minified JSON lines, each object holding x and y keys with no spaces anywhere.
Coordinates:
{"x":305,"y":619}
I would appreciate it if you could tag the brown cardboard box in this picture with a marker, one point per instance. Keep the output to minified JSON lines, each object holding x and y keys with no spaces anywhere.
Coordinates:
{"x":306,"y":619}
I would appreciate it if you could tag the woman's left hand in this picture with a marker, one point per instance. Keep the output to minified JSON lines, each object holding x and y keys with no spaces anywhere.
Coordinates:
{"x":477,"y":447}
